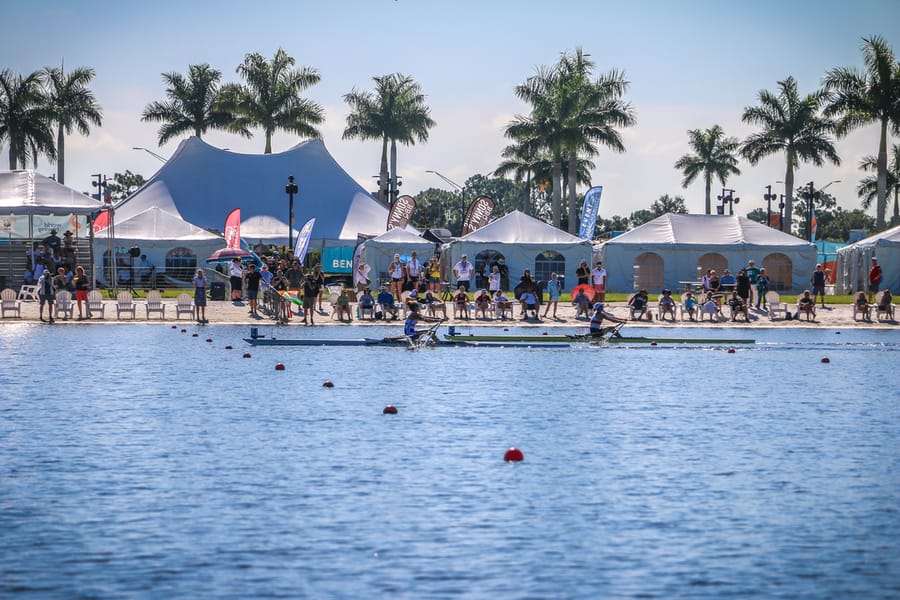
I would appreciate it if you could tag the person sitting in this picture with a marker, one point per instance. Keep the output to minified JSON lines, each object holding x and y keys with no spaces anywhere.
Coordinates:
{"x":366,"y":304}
{"x":597,"y":318}
{"x":386,"y":304}
{"x":862,"y":306}
{"x":638,"y":305}
{"x":411,"y":297}
{"x":737,"y":306}
{"x":529,"y":304}
{"x":434,"y":305}
{"x":666,"y":305}
{"x":343,"y":307}
{"x":414,"y":316}
{"x":714,"y":282}
{"x":689,"y":305}
{"x":502,"y":305}
{"x":886,"y":305}
{"x":582,"y":304}
{"x":806,"y":304}
{"x":709,"y":307}
{"x":727,"y":279}
{"x":461,"y":303}
{"x":482,"y":303}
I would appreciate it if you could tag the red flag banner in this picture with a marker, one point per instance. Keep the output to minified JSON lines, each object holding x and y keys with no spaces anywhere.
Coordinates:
{"x":101,"y":221}
{"x":233,"y":229}
{"x":478,"y":215}
{"x":401,"y":213}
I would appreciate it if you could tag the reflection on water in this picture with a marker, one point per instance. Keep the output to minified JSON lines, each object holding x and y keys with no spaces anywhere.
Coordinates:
{"x":139,"y":460}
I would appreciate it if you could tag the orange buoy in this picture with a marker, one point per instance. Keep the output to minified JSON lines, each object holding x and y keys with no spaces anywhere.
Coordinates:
{"x":513,"y":455}
{"x":279,"y":367}
{"x":389,"y":410}
{"x":327,"y":383}
{"x":825,"y":359}
{"x":246,"y":355}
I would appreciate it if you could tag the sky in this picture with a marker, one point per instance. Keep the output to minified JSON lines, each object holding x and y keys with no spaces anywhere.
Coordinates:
{"x":690,"y":64}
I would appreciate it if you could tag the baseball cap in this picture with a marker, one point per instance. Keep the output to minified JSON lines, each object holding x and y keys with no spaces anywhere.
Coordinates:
{"x":598,"y":306}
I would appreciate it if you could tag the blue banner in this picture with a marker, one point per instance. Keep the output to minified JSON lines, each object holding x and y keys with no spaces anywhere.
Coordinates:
{"x":589,"y":212}
{"x":303,"y":240}
{"x":338,"y":260}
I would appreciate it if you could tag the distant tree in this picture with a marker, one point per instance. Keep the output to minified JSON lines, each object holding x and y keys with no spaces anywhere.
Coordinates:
{"x":438,"y":208}
{"x":395,"y":112}
{"x":124,"y":184}
{"x":192,"y":106}
{"x":838,"y":228}
{"x":525,"y":164}
{"x":614,"y":223}
{"x":270,"y":97}
{"x":791,"y":124}
{"x":72,"y":106}
{"x":667,"y":204}
{"x":824,"y":207}
{"x":639,"y":217}
{"x":759,"y":215}
{"x":870,"y":96}
{"x":24,"y":119}
{"x":867,"y":189}
{"x":713,"y":157}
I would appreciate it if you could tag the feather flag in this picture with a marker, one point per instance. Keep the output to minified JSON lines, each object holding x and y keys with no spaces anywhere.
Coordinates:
{"x":303,"y":240}
{"x":233,"y":229}
{"x":813,"y":224}
{"x":590,"y":209}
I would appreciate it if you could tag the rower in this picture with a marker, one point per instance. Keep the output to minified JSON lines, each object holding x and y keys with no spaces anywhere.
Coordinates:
{"x":597,"y":319}
{"x":409,"y":326}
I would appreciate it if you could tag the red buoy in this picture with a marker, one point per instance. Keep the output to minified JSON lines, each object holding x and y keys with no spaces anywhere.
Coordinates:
{"x":389,"y":410}
{"x":195,"y":335}
{"x":246,"y":355}
{"x":279,"y":367}
{"x":228,"y":348}
{"x":652,"y":343}
{"x":825,"y":359}
{"x":513,"y":455}
{"x":208,"y":339}
{"x":327,"y":383}
{"x":731,"y":351}
{"x":174,"y":326}
{"x":184,"y":331}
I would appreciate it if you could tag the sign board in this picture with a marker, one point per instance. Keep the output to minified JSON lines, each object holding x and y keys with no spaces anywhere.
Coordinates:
{"x":338,"y":260}
{"x":6,"y":225}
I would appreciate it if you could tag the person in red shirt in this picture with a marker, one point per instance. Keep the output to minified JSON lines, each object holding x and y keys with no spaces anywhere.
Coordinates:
{"x":874,"y":279}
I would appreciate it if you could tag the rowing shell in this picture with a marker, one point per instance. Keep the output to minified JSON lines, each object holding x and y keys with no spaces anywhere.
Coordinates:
{"x":551,"y":339}
{"x":395,"y":342}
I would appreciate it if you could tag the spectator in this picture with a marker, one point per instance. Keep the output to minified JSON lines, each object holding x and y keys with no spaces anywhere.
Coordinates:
{"x":413,"y":271}
{"x":367,"y":302}
{"x":494,"y":280}
{"x":310,"y":293}
{"x":434,"y":304}
{"x":737,"y":305}
{"x":386,"y":303}
{"x":46,"y":294}
{"x":762,"y":287}
{"x":553,"y":291}
{"x":666,"y":305}
{"x":236,"y":278}
{"x":818,"y":284}
{"x":689,"y":304}
{"x":293,"y":274}
{"x":319,"y":277}
{"x":753,"y":273}
{"x":582,"y":304}
{"x":715,"y":283}
{"x":433,"y":268}
{"x":253,"y":280}
{"x":200,"y":296}
{"x":875,"y":276}
{"x":529,"y":304}
{"x":145,"y":271}
{"x":82,"y":286}
{"x":53,"y":243}
{"x":463,"y":271}
{"x":343,"y":307}
{"x":727,"y":279}
{"x":461,"y":301}
{"x":887,"y":304}
{"x":743,"y":286}
{"x":862,"y":306}
{"x":598,"y":279}
{"x":582,"y":273}
{"x":502,"y":304}
{"x":361,"y":276}
{"x":482,"y":303}
{"x":806,"y":304}
{"x":638,"y":304}
{"x":397,"y":273}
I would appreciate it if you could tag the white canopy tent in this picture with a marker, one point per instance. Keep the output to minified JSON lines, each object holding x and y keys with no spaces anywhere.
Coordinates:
{"x":30,"y":193}
{"x":520,"y":242}
{"x":675,"y":248}
{"x":266,"y":229}
{"x":379,"y":252}
{"x":854,"y":261}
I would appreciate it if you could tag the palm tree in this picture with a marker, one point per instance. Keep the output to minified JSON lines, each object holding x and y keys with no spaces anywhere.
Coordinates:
{"x":868,"y":186}
{"x":73,"y":106}
{"x":24,"y":119}
{"x":713,"y":157}
{"x":394,"y":112}
{"x":792,"y":125}
{"x":192,"y":105}
{"x":270,"y":97}
{"x":861,"y":98}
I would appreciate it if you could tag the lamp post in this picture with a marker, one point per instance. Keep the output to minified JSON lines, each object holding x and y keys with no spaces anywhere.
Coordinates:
{"x":290,"y":189}
{"x":811,"y":196}
{"x":768,"y":197}
{"x":457,"y":186}
{"x":781,"y":212}
{"x":101,"y":184}
{"x":151,"y":153}
{"x":727,"y":197}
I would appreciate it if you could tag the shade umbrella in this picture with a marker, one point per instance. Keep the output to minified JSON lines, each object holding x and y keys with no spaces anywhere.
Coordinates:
{"x":229,"y":253}
{"x":588,"y":290}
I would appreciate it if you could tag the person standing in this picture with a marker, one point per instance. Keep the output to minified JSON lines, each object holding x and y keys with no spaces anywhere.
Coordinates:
{"x":463,"y":271}
{"x":762,"y":287}
{"x":200,"y":286}
{"x":413,"y":271}
{"x":145,"y":270}
{"x":875,"y":276}
{"x":598,"y":279}
{"x":818,"y":284}
{"x":82,"y":285}
{"x":253,"y":279}
{"x":583,"y":273}
{"x":310,"y":294}
{"x":319,"y":276}
{"x":753,"y":272}
{"x":743,"y":287}
{"x":396,"y":272}
{"x":434,"y":274}
{"x":46,"y":294}
{"x":494,"y":280}
{"x":553,"y":290}
{"x":361,"y":276}
{"x":236,"y":278}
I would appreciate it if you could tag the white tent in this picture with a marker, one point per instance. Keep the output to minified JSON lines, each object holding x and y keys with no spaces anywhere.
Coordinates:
{"x":522,"y":242}
{"x":30,"y":193}
{"x":202,"y":184}
{"x":266,"y":229}
{"x":854,"y":261}
{"x":379,"y":252}
{"x":674,"y":248}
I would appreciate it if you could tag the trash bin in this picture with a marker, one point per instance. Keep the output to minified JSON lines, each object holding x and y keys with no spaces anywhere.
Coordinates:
{"x":217,"y":291}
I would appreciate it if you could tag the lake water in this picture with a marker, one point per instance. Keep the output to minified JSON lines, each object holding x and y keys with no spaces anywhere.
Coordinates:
{"x":139,"y":461}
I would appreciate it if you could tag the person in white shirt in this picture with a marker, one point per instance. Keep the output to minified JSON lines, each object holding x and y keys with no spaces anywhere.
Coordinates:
{"x":413,"y":271}
{"x":236,"y":277}
{"x":494,"y":280}
{"x":463,"y":271}
{"x":598,"y":279}
{"x":361,"y":276}
{"x":396,"y":271}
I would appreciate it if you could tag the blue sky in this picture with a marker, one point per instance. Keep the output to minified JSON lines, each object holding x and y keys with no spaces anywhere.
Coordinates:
{"x":691,"y":65}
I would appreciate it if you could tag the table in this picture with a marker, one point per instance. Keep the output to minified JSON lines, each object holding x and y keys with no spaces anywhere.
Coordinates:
{"x":688,"y":286}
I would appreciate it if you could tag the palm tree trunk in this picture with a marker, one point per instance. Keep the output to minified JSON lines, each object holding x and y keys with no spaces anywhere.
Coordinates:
{"x":268,"y":142}
{"x":383,"y":173}
{"x":788,"y":194}
{"x":708,"y":193}
{"x":60,"y":155}
{"x":526,"y":195}
{"x":13,"y":156}
{"x":394,"y":187}
{"x":573,"y":198}
{"x":881,"y":207}
{"x":556,"y":199}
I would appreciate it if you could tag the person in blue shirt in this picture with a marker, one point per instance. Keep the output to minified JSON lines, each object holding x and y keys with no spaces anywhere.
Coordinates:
{"x":553,"y":289}
{"x":386,"y":301}
{"x":414,"y":316}
{"x":727,"y":278}
{"x":529,"y":303}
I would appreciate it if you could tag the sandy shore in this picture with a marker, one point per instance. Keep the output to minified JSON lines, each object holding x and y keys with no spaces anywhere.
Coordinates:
{"x":235,"y":313}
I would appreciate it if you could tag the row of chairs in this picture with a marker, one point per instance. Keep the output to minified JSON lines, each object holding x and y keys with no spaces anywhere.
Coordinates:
{"x":125,"y":304}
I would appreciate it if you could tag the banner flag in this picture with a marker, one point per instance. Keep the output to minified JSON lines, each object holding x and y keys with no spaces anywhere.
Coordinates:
{"x":814,"y":224}
{"x":590,"y":210}
{"x":303,"y":240}
{"x":478,"y":215}
{"x":233,"y":229}
{"x":401,"y":213}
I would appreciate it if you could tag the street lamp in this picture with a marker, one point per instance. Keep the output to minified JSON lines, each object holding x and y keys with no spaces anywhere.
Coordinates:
{"x":150,"y":152}
{"x":457,"y":186}
{"x":727,"y":196}
{"x":813,"y":195}
{"x":290,"y":189}
{"x":768,"y":197}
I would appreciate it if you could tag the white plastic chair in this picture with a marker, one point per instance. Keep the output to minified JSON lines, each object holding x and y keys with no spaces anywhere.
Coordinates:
{"x":95,"y":304}
{"x":28,"y":293}
{"x":9,"y":302}
{"x":775,"y":305}
{"x":64,"y":304}
{"x":125,"y":304}
{"x":155,"y":304}
{"x":184,"y":305}
{"x":887,"y":311}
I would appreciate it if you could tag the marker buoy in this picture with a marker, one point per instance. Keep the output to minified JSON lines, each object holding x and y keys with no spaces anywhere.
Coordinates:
{"x":327,"y":383}
{"x":506,"y":329}
{"x":825,"y":359}
{"x":228,"y":348}
{"x":389,"y":410}
{"x":174,"y":326}
{"x":184,"y":331}
{"x":195,"y":335}
{"x":209,"y":339}
{"x":513,"y":455}
{"x":731,"y":351}
{"x":652,"y":343}
{"x":545,"y":333}
{"x":279,"y":367}
{"x":837,"y":333}
{"x":246,"y":355}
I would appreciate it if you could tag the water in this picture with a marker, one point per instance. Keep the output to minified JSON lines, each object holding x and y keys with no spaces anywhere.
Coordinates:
{"x":138,"y":461}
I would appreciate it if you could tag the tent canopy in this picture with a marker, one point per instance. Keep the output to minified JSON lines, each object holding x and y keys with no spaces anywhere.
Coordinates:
{"x":674,"y":248}
{"x":30,"y":193}
{"x":854,"y":261}
{"x":266,"y":229}
{"x":202,"y":184}
{"x":379,"y":251}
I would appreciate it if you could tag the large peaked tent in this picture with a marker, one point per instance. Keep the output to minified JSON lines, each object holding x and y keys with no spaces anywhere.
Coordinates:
{"x":674,"y":248}
{"x":266,"y":229}
{"x":202,"y":184}
{"x":854,"y":261}
{"x":524,"y":243}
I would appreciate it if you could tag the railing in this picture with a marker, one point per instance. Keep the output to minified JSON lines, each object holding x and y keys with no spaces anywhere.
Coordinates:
{"x":275,"y":306}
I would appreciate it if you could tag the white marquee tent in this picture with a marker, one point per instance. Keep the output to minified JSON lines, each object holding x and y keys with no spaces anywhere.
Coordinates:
{"x":522,"y":242}
{"x":674,"y":248}
{"x":379,"y":252}
{"x":265,"y":229}
{"x":854,"y":261}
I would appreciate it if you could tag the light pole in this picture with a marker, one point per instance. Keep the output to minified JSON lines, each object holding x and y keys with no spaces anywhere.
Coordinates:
{"x":101,"y":184}
{"x":457,"y":186}
{"x":768,"y":197}
{"x":728,"y":196}
{"x":151,"y":153}
{"x":813,"y":195}
{"x":781,"y":213}
{"x":290,"y":189}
